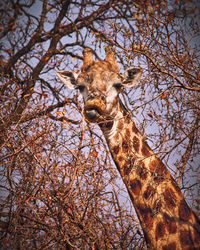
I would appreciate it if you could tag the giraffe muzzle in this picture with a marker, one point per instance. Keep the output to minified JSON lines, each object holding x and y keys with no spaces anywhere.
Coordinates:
{"x":94,"y":109}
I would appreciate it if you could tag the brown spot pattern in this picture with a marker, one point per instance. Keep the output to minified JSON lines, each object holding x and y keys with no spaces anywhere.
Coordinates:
{"x":186,"y":238}
{"x":116,"y":149}
{"x":127,"y":170}
{"x":128,"y":134}
{"x":170,"y":223}
{"x":170,"y":246}
{"x":136,"y":143}
{"x":170,"y":198}
{"x":157,"y":166}
{"x":125,"y":147}
{"x":153,"y":165}
{"x":149,"y":193}
{"x":135,"y":186}
{"x":145,"y":149}
{"x":128,"y":165}
{"x":146,"y":216}
{"x":160,"y":230}
{"x":158,"y":170}
{"x":134,"y":129}
{"x":141,"y":170}
{"x":184,"y":211}
{"x":120,"y":158}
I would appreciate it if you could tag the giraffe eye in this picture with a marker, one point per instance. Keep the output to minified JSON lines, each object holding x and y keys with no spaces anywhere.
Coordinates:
{"x":117,"y":86}
{"x":80,"y":87}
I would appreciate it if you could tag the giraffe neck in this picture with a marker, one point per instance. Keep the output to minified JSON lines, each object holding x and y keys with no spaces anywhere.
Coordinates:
{"x":166,"y":219}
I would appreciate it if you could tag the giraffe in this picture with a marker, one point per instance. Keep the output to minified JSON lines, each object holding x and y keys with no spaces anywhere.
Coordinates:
{"x":166,"y":219}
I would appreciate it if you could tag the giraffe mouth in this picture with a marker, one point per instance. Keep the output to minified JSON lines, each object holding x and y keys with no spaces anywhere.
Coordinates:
{"x":91,"y":114}
{"x":94,"y":109}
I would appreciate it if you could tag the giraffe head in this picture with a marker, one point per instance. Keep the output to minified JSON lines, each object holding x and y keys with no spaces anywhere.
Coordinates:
{"x":100,"y":83}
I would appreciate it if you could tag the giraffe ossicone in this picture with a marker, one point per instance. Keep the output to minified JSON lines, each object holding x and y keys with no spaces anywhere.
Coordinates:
{"x":166,"y":219}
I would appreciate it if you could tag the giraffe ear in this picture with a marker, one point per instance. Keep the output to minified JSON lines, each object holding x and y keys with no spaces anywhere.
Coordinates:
{"x":68,"y":78}
{"x":131,"y":77}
